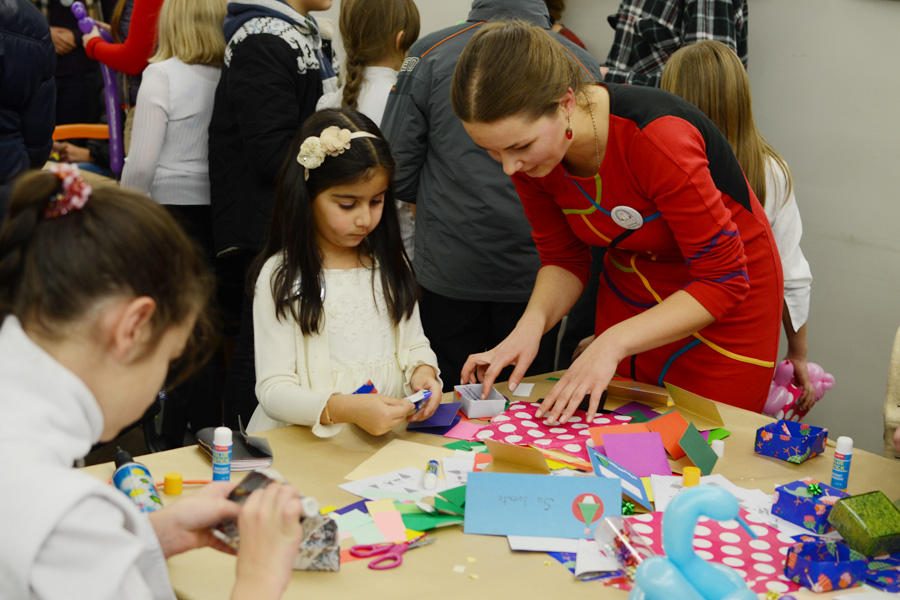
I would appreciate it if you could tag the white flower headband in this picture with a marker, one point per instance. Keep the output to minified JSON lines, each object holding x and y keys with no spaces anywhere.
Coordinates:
{"x":333,"y":141}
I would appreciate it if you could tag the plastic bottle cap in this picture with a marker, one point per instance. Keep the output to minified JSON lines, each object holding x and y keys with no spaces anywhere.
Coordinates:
{"x":310,"y":506}
{"x":718,"y":446}
{"x":222,"y":436}
{"x":844,"y":445}
{"x":172,"y":484}
{"x":691,"y":476}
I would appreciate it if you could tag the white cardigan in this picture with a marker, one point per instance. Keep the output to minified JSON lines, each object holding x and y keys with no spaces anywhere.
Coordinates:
{"x":294,"y":375}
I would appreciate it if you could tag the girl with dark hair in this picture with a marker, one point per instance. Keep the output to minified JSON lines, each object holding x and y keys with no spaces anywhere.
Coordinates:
{"x":335,"y":300}
{"x":100,"y":290}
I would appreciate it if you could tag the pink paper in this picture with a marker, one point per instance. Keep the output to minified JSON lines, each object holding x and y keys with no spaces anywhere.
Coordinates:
{"x":465,"y":430}
{"x":519,"y":426}
{"x":390,"y":524}
{"x":641,"y":453}
{"x":759,"y":562}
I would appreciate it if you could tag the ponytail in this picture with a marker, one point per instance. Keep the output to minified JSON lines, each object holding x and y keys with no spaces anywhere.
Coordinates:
{"x":353,"y":84}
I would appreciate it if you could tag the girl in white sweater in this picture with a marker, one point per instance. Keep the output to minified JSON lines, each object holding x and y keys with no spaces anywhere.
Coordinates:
{"x":99,"y":292}
{"x":335,"y":302}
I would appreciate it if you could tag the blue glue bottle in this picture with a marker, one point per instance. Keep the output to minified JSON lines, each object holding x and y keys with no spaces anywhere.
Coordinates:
{"x":221,"y":454}
{"x":134,"y":480}
{"x":840,"y":471}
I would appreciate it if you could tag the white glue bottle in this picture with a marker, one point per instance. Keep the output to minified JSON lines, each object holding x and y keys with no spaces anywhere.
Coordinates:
{"x":221,"y":454}
{"x":840,"y":472}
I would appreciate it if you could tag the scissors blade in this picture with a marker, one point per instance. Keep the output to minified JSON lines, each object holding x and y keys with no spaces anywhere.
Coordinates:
{"x":420,"y":541}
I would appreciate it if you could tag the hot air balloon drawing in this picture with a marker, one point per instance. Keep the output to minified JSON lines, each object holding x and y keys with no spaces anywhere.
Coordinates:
{"x":587,"y":508}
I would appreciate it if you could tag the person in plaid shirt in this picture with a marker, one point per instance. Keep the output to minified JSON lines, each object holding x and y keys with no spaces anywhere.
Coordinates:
{"x":649,"y":31}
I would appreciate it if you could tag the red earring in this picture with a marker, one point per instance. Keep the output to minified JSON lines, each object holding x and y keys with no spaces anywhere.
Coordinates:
{"x":569,"y":133}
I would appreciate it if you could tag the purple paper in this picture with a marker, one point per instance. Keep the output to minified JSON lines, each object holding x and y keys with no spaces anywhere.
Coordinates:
{"x":643,"y":454}
{"x":360,"y":506}
{"x":442,"y":417}
{"x":631,"y":407}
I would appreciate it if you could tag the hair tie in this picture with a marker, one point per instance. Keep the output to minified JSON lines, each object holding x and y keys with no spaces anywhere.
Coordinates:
{"x":333,"y":141}
{"x":74,"y":194}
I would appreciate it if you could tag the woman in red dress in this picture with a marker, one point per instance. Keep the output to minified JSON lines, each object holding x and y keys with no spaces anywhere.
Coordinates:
{"x":691,"y":287}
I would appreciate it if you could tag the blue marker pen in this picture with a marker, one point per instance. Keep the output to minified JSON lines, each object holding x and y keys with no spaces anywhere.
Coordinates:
{"x":431,"y":472}
{"x":419,"y":398}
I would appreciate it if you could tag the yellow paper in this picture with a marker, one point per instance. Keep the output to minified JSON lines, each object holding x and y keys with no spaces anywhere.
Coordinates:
{"x":636,"y":391}
{"x":700,"y":411}
{"x":383,"y":505}
{"x":396,"y":455}
{"x":515,"y":459}
{"x":647,"y":488}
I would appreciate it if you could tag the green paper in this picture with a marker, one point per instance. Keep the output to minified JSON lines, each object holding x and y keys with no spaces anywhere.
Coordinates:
{"x":455,"y":496}
{"x":698,"y":450}
{"x":466,"y":445}
{"x":448,"y":508}
{"x":869,"y":523}
{"x":407,"y":508}
{"x":427,"y":522}
{"x":719,"y":433}
{"x":588,"y":510}
{"x":553,"y":379}
{"x":637,"y":417}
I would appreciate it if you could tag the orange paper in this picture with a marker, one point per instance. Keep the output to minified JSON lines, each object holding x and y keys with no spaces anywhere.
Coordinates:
{"x":598,"y":432}
{"x":671,"y":426}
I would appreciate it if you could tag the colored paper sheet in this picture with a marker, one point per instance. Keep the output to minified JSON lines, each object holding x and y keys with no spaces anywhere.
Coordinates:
{"x":456,"y":496}
{"x":358,"y":506}
{"x":700,"y":411}
{"x":442,"y":417}
{"x":597,"y":433}
{"x":628,"y":390}
{"x":516,"y":459}
{"x":641,"y":453}
{"x":637,"y":417}
{"x":390,"y":523}
{"x":457,"y":468}
{"x":591,"y":559}
{"x":427,"y":522}
{"x":465,"y":430}
{"x":671,"y":427}
{"x":466,"y":445}
{"x":396,"y":455}
{"x":697,"y":450}
{"x":523,"y":390}
{"x":537,"y":505}
{"x":524,"y":543}
{"x":719,"y":433}
{"x":632,"y":485}
{"x":439,"y":430}
{"x":631,"y":407}
{"x":383,"y":505}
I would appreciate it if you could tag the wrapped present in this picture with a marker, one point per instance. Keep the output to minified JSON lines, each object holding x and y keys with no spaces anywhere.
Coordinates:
{"x":869,"y":523}
{"x":823,"y":566}
{"x":319,"y":548}
{"x":472,"y":404}
{"x":790,"y":441}
{"x":806,"y":502}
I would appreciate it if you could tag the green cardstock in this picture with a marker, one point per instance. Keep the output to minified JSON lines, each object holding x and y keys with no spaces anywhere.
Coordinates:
{"x":455,"y":496}
{"x":637,"y":417}
{"x":448,"y":508}
{"x":720,"y":433}
{"x":465,"y":445}
{"x":697,"y":450}
{"x":427,"y":522}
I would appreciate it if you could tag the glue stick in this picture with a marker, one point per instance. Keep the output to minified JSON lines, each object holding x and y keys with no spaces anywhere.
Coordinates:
{"x":134,"y":480}
{"x":221,"y":454}
{"x":840,"y":471}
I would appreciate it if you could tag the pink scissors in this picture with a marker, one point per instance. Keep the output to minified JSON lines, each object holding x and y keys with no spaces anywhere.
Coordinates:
{"x":388,"y":555}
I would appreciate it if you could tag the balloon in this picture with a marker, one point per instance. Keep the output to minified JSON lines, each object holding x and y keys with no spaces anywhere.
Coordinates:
{"x":783,"y":392}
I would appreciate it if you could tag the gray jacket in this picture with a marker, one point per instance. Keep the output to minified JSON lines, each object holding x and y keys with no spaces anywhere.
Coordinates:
{"x":473,"y":241}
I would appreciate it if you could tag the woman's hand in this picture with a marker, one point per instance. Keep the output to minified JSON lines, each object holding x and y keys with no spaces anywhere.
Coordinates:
{"x":270,"y":530}
{"x":519,"y":349}
{"x":63,"y":40}
{"x":375,"y":413}
{"x":589,"y":375}
{"x":801,"y":378}
{"x":186,"y":524}
{"x":424,"y":377}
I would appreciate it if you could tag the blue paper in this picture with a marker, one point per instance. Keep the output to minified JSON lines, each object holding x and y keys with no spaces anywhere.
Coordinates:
{"x":632,"y":485}
{"x":442,"y":417}
{"x":539,"y":505}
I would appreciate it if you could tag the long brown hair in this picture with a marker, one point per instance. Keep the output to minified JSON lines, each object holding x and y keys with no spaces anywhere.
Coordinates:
{"x":53,"y":271}
{"x":711,"y":76}
{"x":369,"y":30}
{"x":510,"y":68}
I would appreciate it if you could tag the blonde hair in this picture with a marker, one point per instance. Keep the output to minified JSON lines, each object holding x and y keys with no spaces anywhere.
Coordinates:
{"x":510,"y":68}
{"x":369,"y":29}
{"x":711,"y":76}
{"x":191,"y":31}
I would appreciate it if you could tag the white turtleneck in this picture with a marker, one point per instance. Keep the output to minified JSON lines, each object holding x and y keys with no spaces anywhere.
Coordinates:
{"x":68,"y":534}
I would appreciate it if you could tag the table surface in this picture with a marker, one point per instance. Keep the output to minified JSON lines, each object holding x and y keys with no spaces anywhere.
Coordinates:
{"x":316,"y":467}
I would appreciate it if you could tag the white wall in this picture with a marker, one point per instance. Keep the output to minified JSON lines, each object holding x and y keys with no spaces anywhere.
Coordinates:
{"x":826,"y":87}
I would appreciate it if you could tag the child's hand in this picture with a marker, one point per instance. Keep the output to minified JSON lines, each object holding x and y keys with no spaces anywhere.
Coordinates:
{"x":186,"y":524}
{"x":269,"y":524}
{"x":379,"y":414}
{"x":425,"y":378}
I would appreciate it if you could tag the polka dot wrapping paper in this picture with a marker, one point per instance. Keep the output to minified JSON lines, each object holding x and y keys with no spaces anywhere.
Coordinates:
{"x":759,"y":562}
{"x":518,"y":426}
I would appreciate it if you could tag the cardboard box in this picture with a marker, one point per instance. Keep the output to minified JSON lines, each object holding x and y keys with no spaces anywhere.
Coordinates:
{"x":476,"y":408}
{"x":824,"y":566}
{"x":790,"y":441}
{"x":869,"y":523}
{"x":794,"y":503}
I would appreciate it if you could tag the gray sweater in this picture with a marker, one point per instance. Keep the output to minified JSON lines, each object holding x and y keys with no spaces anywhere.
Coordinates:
{"x":473,"y":241}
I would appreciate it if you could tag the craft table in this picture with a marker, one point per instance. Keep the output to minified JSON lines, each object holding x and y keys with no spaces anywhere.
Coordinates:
{"x":317,"y":466}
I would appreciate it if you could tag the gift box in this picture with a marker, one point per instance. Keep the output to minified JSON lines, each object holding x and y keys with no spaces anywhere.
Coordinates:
{"x":472,"y":404}
{"x":807,"y":503}
{"x":790,"y":441}
{"x":824,"y":566}
{"x":869,"y":523}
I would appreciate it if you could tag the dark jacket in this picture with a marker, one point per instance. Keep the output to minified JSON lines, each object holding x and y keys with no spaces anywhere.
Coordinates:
{"x":473,"y":241}
{"x":27,"y":88}
{"x":270,"y":83}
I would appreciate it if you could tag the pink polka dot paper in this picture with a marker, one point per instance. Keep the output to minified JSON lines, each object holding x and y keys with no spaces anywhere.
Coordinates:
{"x":518,"y":426}
{"x":760,"y":562}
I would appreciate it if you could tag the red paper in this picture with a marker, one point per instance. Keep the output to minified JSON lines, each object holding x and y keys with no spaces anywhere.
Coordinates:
{"x":671,"y":426}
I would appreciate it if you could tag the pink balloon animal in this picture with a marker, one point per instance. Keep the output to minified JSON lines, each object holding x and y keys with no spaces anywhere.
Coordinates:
{"x":783,"y":392}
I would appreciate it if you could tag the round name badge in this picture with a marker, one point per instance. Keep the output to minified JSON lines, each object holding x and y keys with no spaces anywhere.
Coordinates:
{"x":627,"y":217}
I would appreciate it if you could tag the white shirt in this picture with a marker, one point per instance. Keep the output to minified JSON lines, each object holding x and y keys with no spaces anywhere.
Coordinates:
{"x":296,"y":374}
{"x":784,"y":217}
{"x":373,"y":94}
{"x":66,"y":534}
{"x":169,"y":154}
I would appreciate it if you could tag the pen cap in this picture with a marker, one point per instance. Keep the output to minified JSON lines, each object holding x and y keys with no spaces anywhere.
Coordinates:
{"x":844,"y":445}
{"x":222,"y":436}
{"x":122,"y":457}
